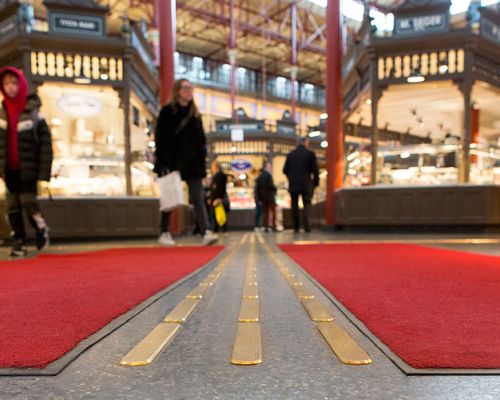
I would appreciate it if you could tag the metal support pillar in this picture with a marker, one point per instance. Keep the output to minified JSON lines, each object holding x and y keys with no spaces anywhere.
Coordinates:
{"x":294,"y":56}
{"x":165,"y":10}
{"x":233,"y":54}
{"x":334,"y":153}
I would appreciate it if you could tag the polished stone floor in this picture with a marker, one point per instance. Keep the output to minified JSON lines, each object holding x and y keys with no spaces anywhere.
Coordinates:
{"x":297,"y":363}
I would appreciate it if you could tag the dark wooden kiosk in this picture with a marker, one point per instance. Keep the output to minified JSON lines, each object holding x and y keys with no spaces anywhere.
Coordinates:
{"x":437,"y":77}
{"x":70,"y":59}
{"x":241,"y":137}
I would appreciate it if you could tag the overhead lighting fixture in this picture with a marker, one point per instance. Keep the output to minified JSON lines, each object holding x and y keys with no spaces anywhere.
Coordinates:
{"x":405,"y":154}
{"x":314,"y":133}
{"x":82,"y":81}
{"x":242,"y":177}
{"x":233,"y":149}
{"x":323,"y":116}
{"x":415,"y":79}
{"x":369,"y":101}
{"x":443,"y":69}
{"x":324,"y":144}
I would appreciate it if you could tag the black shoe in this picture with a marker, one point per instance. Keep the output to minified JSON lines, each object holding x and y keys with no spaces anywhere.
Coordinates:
{"x":42,"y":238}
{"x":18,"y":249}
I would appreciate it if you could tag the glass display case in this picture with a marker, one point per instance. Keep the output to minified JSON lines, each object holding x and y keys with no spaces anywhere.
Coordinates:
{"x":437,"y":164}
{"x":423,"y":164}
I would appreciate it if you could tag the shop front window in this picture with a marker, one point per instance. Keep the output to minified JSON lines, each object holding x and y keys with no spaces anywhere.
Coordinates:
{"x":87,"y":138}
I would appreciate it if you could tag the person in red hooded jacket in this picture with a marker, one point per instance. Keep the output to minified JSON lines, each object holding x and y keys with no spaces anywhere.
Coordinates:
{"x":25,"y":157}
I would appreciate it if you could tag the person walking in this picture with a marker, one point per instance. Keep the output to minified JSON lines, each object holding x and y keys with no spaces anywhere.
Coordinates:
{"x":181,"y":146}
{"x":25,"y":158}
{"x":265,"y":193}
{"x":218,"y":194}
{"x":301,"y":169}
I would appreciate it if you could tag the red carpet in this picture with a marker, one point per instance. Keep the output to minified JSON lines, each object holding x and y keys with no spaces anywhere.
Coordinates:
{"x":49,"y":304}
{"x":434,"y":308}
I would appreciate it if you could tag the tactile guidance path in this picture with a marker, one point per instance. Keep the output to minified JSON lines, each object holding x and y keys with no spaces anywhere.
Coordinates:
{"x":158,"y":339}
{"x":347,"y":350}
{"x":247,"y":348}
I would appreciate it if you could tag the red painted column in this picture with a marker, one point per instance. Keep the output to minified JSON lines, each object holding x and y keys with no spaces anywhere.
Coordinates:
{"x":164,"y":11}
{"x":334,"y":134}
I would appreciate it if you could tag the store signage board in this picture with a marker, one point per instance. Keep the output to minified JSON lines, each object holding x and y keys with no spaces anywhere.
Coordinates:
{"x":86,"y":25}
{"x":490,"y":30}
{"x":241,"y":165}
{"x":81,"y":106}
{"x":421,"y":24}
{"x":237,"y":135}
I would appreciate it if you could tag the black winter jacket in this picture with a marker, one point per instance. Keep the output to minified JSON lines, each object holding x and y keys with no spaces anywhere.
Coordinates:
{"x":218,"y":186}
{"x":301,"y":169}
{"x":34,"y":146}
{"x":184,"y":151}
{"x":264,"y":188}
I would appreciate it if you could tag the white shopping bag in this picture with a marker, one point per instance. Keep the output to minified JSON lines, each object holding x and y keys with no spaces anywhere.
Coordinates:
{"x":171,"y":193}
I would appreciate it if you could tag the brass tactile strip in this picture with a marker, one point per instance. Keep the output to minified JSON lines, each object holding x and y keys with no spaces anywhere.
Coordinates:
{"x":346,"y":349}
{"x":182,"y":311}
{"x":153,"y":343}
{"x":247,"y":347}
{"x":343,"y":345}
{"x":149,"y":347}
{"x":317,"y":312}
{"x":249,"y":310}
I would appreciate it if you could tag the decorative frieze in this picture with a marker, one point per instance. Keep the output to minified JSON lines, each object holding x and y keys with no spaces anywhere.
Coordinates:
{"x":76,"y":66}
{"x":424,"y":64}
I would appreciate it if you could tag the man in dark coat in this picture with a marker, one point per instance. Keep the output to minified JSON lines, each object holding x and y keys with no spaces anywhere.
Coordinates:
{"x":265,"y":193}
{"x":25,"y":157}
{"x":301,"y":169}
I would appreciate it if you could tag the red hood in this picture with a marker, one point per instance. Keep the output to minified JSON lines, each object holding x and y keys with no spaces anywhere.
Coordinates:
{"x":17,"y":104}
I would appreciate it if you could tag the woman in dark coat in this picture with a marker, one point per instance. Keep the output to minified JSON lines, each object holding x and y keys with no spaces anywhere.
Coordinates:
{"x":181,"y":146}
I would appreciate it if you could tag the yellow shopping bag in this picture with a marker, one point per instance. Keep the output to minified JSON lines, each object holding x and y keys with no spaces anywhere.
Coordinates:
{"x":220,"y":214}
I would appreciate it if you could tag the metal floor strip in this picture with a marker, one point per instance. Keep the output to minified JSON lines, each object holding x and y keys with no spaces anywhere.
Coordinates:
{"x":149,"y":347}
{"x":182,"y":311}
{"x":343,"y":345}
{"x":247,"y":349}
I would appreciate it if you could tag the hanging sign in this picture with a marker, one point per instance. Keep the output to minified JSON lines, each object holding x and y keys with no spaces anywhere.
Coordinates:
{"x":77,"y":24}
{"x":421,"y":24}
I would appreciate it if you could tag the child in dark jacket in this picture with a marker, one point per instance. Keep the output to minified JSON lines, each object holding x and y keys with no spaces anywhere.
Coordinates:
{"x":25,"y":157}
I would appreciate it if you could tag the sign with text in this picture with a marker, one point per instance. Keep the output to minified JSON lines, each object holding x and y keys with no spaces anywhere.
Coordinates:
{"x":8,"y":27}
{"x":490,"y":30}
{"x":237,"y":135}
{"x":420,"y":24}
{"x":77,"y":24}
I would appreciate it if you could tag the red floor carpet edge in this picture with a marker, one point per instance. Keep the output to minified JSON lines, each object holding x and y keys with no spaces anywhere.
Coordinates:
{"x":434,"y":308}
{"x":50,"y":303}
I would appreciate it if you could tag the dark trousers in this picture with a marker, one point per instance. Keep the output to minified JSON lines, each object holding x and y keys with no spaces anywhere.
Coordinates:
{"x":306,"y":200}
{"x":21,"y":195}
{"x":258,"y":214}
{"x":197,"y":198}
{"x":269,"y":215}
